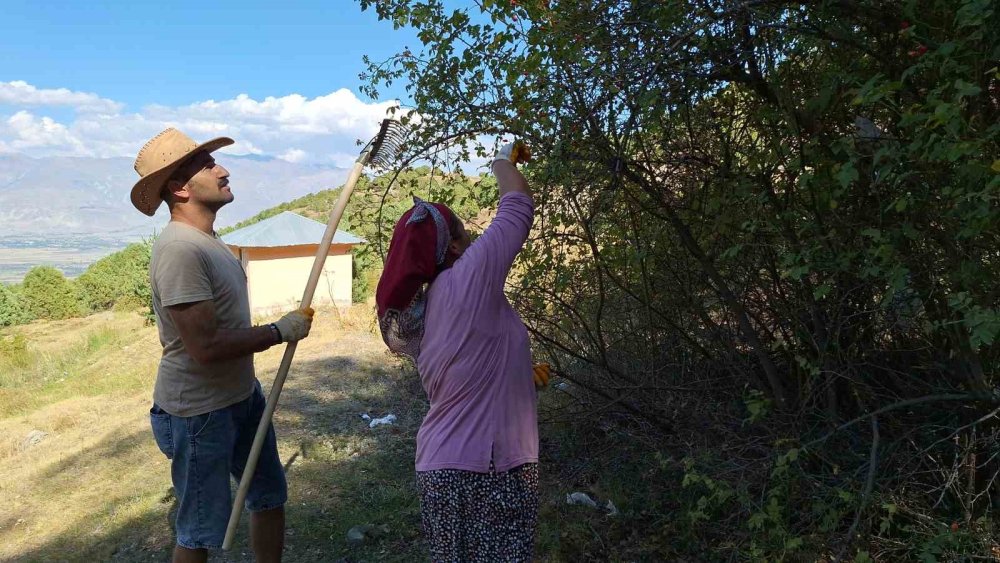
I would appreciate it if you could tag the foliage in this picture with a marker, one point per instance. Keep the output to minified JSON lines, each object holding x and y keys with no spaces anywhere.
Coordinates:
{"x":120,"y":280}
{"x":12,"y":310}
{"x":785,"y":207}
{"x":47,"y":294}
{"x":14,"y":352}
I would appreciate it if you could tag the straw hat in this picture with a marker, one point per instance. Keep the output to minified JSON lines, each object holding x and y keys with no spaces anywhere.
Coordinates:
{"x":159,"y":158}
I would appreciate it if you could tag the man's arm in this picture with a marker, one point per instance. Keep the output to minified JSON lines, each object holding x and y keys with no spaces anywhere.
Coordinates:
{"x":207,"y":343}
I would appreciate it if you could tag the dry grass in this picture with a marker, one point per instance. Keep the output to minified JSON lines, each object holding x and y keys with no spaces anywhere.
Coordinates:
{"x":96,"y":487}
{"x":105,"y":354}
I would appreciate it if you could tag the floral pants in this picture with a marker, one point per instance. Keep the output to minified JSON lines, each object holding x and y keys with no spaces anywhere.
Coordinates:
{"x":470,"y":517}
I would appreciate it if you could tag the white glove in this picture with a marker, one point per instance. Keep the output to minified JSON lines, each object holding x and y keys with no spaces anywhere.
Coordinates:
{"x":515,"y":153}
{"x":295,"y":325}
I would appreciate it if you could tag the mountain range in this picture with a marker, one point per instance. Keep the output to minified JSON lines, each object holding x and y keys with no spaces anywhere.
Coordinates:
{"x":67,"y":211}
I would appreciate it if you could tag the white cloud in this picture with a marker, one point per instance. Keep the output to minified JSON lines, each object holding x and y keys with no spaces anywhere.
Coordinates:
{"x":20,"y":93}
{"x":294,"y":155}
{"x":295,"y":128}
{"x":343,"y":159}
{"x":24,"y":132}
{"x":241,"y":147}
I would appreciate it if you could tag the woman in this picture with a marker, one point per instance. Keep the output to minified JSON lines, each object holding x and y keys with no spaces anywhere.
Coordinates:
{"x":477,"y":449}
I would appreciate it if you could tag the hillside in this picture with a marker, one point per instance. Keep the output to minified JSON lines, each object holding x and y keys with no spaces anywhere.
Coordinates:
{"x":121,"y":278}
{"x":94,"y":486}
{"x":82,"y":479}
{"x":372,"y":216}
{"x":466,"y":194}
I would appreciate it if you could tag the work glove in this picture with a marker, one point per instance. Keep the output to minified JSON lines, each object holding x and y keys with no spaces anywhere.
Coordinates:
{"x":541,"y":375}
{"x":295,"y":325}
{"x":515,"y":153}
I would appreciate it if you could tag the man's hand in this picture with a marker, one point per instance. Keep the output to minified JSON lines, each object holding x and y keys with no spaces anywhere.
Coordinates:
{"x":541,"y":375}
{"x":295,"y":325}
{"x":515,"y":153}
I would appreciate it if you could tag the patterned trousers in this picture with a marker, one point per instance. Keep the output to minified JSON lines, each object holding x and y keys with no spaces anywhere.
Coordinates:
{"x":470,"y":517}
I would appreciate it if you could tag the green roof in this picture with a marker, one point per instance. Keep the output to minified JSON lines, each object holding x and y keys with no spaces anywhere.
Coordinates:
{"x":286,"y":229}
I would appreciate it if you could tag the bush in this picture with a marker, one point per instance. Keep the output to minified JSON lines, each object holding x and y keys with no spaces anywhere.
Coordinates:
{"x":14,"y":351}
{"x":12,"y":308}
{"x":119,"y":281}
{"x":756,"y":222}
{"x":47,"y":294}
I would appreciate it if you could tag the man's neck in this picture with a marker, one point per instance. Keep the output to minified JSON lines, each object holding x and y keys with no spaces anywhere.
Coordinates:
{"x":200,"y":218}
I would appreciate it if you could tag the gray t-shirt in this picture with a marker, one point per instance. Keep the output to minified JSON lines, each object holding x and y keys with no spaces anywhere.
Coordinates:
{"x":188,"y":266}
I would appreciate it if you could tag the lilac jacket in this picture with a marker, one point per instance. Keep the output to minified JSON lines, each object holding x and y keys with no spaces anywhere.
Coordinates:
{"x":475,"y":361}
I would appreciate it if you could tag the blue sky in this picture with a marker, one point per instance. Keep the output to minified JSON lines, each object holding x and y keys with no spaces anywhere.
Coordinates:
{"x":95,"y":78}
{"x":175,"y":53}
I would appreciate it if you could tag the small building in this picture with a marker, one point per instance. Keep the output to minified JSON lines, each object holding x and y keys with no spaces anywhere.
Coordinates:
{"x":277,"y":255}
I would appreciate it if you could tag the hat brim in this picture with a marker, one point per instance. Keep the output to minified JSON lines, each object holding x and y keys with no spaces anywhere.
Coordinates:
{"x":146,"y":192}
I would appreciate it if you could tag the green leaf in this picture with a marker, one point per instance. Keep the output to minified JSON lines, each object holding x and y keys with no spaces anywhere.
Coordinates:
{"x":847,"y":175}
{"x":821,"y":291}
{"x":966,"y":89}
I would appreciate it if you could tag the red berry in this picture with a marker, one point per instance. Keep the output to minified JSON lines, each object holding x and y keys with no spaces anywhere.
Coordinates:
{"x":904,"y":25}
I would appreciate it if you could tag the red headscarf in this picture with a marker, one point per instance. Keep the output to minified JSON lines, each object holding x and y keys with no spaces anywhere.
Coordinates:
{"x":417,"y":253}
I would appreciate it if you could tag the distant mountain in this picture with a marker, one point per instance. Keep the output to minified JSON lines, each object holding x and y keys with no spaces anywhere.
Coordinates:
{"x":83,"y":203}
{"x":56,"y":196}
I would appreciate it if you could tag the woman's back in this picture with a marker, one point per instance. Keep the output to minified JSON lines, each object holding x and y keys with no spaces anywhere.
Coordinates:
{"x":475,"y":361}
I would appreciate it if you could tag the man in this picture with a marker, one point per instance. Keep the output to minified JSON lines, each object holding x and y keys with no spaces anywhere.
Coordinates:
{"x":207,"y":402}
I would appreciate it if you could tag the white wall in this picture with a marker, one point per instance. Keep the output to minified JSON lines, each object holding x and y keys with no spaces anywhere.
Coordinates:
{"x":277,"y":278}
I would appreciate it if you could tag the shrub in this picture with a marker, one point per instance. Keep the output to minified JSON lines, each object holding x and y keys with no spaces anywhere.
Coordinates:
{"x":119,"y":281}
{"x":793,"y":203}
{"x":12,"y":308}
{"x":14,"y":351}
{"x":47,"y":294}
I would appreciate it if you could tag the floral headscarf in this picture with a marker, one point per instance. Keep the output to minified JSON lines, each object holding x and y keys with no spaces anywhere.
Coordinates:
{"x":416,"y":255}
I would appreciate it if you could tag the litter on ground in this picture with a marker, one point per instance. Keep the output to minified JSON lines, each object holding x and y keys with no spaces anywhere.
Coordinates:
{"x":585,"y":500}
{"x":387,"y":420}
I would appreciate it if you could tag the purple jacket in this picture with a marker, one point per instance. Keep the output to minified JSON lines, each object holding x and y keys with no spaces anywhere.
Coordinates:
{"x":475,"y":361}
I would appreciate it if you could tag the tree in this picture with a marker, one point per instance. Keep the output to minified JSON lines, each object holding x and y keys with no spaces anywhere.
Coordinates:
{"x":795,"y":198}
{"x":47,"y":294}
{"x":12,"y":309}
{"x":120,"y":279}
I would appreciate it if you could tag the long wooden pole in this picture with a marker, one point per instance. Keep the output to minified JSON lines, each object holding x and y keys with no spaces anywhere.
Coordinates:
{"x":286,"y":360}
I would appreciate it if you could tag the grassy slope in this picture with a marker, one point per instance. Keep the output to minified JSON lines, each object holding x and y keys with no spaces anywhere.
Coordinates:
{"x":96,"y":488}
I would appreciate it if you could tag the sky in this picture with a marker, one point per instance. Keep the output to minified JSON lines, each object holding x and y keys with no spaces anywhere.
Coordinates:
{"x":99,"y":78}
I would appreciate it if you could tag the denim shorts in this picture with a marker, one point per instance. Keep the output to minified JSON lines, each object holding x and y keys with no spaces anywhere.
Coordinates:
{"x":205,"y":450}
